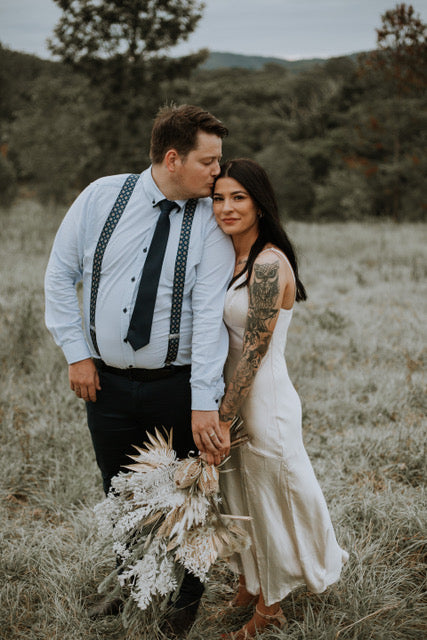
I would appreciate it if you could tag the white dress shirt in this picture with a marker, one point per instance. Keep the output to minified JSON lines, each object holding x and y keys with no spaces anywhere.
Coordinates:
{"x":203,"y":336}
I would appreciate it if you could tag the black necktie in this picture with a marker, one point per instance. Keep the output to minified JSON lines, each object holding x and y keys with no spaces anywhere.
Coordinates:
{"x":142,"y":317}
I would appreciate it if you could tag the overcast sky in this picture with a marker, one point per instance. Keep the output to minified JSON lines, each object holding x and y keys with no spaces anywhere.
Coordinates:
{"x":281,"y":28}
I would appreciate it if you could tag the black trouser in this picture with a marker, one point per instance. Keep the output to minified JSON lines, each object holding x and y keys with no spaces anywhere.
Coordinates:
{"x":124,"y":411}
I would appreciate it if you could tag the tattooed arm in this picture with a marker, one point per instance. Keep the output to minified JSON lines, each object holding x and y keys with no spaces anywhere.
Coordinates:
{"x":266,"y":289}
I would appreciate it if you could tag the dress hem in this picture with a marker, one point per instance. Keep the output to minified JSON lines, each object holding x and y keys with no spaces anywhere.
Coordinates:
{"x":332,"y":579}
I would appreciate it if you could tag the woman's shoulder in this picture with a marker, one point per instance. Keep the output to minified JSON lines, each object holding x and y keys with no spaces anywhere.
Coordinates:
{"x":271,"y":249}
{"x":270,"y":254}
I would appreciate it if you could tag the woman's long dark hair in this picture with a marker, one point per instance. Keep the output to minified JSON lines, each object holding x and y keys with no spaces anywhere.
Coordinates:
{"x":256,"y":182}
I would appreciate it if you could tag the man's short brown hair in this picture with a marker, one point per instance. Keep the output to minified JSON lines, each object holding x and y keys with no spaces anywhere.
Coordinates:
{"x":177,"y":128}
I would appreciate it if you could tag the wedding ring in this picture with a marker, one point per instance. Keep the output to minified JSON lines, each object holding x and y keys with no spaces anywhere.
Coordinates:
{"x":212,"y":434}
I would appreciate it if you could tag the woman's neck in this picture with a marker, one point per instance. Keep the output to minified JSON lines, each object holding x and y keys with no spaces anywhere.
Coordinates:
{"x":242,"y":246}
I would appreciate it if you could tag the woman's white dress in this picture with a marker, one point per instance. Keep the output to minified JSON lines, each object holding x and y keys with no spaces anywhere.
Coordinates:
{"x":272,"y":478}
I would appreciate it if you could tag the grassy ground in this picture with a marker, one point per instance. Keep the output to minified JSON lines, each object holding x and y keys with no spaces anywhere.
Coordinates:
{"x":356,"y":356}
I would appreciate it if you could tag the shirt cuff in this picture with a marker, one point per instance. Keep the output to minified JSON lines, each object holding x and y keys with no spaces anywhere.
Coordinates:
{"x":76,"y":351}
{"x":204,"y":400}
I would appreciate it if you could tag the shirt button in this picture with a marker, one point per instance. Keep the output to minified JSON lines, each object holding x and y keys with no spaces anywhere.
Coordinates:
{"x":132,"y":279}
{"x":130,"y":366}
{"x":125,"y":340}
{"x":145,"y":249}
{"x":125,"y":310}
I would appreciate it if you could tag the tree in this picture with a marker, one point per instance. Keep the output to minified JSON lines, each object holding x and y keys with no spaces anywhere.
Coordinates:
{"x":397,"y":74}
{"x":50,"y":137}
{"x":402,"y":49}
{"x":291,"y":176}
{"x":120,"y":46}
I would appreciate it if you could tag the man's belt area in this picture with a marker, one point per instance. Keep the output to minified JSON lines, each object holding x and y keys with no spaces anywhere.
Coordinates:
{"x":142,"y":375}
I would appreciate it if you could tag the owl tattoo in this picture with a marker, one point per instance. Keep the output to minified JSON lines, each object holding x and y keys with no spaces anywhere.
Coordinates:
{"x":263,"y":295}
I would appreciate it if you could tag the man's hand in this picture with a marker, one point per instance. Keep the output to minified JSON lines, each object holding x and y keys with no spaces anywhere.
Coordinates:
{"x":84,"y":379}
{"x":210,"y":438}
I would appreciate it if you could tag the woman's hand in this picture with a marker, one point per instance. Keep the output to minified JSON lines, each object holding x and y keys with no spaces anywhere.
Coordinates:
{"x":225,"y":426}
{"x":211,"y":436}
{"x":207,"y":435}
{"x":217,"y":458}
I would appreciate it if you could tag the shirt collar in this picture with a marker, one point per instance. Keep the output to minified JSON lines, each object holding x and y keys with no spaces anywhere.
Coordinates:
{"x":153,"y":192}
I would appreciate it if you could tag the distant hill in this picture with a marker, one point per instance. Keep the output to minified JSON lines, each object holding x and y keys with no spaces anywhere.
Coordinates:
{"x":223,"y":60}
{"x":219,"y":59}
{"x":24,"y":66}
{"x":28,"y":65}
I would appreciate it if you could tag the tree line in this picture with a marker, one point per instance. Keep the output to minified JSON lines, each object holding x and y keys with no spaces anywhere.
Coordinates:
{"x":342,"y":140}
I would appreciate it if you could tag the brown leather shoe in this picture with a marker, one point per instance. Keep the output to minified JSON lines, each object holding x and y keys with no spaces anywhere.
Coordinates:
{"x":108,"y":606}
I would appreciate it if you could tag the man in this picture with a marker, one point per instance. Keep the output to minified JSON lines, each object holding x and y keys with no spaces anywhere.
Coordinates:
{"x":151,"y":354}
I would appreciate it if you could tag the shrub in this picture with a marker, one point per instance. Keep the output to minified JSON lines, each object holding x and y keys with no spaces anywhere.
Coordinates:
{"x":291,"y":176}
{"x":8,"y":182}
{"x":345,"y":195}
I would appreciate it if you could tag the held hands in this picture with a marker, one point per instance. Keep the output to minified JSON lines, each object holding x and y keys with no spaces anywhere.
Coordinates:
{"x":211,"y":437}
{"x":84,"y":379}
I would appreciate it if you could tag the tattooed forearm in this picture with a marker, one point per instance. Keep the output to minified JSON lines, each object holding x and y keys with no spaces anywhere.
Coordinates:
{"x":239,"y":385}
{"x":264,"y":306}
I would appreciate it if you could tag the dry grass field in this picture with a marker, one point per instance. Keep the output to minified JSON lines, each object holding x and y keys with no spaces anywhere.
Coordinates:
{"x":356,"y":354}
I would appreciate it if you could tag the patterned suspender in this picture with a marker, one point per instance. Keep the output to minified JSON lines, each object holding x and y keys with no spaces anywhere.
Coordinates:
{"x":179,"y":280}
{"x":180,"y":264}
{"x":107,"y":230}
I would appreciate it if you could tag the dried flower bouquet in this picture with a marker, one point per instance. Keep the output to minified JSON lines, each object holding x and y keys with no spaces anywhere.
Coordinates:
{"x":165,"y":518}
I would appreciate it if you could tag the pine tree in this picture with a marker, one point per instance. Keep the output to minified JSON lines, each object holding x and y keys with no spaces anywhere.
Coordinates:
{"x":401,"y":55}
{"x":397,"y":74}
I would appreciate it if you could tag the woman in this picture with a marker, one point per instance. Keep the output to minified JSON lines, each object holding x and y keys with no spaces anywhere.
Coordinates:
{"x":271,"y":478}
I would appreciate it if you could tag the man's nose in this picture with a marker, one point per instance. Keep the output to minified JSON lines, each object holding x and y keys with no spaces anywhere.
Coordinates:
{"x":216,"y":169}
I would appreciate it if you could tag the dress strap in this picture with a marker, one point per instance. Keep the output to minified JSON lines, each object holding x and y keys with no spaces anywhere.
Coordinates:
{"x":282,"y":255}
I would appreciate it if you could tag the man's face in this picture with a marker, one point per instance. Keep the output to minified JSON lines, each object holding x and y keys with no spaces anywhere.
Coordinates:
{"x":196,"y":173}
